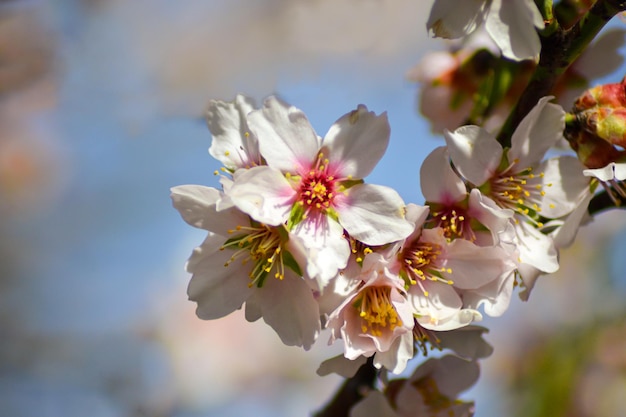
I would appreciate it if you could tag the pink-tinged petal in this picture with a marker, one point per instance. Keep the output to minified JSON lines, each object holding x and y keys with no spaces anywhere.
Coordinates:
{"x":340,"y":365}
{"x":467,"y":342}
{"x":374,"y":404}
{"x":197,"y":206}
{"x":327,"y":248}
{"x":396,"y":357}
{"x":263,"y":193}
{"x":536,"y":249}
{"x":286,"y":138}
{"x":488,"y":213}
{"x":529,"y":276}
{"x":475,"y":266}
{"x":218,"y":290}
{"x":494,"y":297}
{"x":450,"y":374}
{"x":538,"y":132}
{"x":232,"y":144}
{"x":441,"y":302}
{"x":416,"y":215}
{"x":253,"y":310}
{"x":373,"y":214}
{"x":564,"y":184}
{"x":512,"y":27}
{"x":451,"y":19}
{"x":356,"y":142}
{"x":565,"y":235}
{"x":476,"y":154}
{"x":289,"y":307}
{"x":437,"y":104}
{"x":440,"y":184}
{"x":338,"y":289}
{"x":455,"y":320}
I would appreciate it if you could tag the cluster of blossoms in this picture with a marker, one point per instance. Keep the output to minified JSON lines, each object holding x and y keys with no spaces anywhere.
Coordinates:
{"x":298,"y":236}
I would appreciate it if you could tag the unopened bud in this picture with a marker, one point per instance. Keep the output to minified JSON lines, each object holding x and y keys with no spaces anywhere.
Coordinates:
{"x":605,"y":123}
{"x":606,"y":95}
{"x":592,"y":151}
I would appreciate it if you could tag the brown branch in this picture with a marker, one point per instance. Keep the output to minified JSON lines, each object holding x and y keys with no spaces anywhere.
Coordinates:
{"x":351,"y":392}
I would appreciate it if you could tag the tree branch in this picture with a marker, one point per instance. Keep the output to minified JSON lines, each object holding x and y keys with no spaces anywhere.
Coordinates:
{"x":559,"y":49}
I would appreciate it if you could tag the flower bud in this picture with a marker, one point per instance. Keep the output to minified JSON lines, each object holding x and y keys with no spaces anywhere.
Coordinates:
{"x":601,"y":112}
{"x":592,"y":151}
{"x":608,"y":123}
{"x":607,"y":95}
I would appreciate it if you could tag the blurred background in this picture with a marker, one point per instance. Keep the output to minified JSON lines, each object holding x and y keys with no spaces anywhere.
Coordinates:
{"x":101,"y":112}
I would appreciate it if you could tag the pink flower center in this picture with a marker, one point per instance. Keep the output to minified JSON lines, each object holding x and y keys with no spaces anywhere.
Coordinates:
{"x":317,"y":187}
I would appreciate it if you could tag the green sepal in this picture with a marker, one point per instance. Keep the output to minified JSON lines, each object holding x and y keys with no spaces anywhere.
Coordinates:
{"x":236,"y":241}
{"x":295,"y":216}
{"x":261,"y":279}
{"x":350,"y":183}
{"x":330,"y":212}
{"x":290,"y":262}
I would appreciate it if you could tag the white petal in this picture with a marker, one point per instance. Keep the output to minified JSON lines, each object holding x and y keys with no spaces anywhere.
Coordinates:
{"x":289,"y":307}
{"x":328,"y":250}
{"x":488,"y":213}
{"x":356,"y":142}
{"x":396,"y":357}
{"x":456,"y":320}
{"x":253,"y":310}
{"x":604,"y":174}
{"x":453,"y":19}
{"x":471,"y":266}
{"x":441,"y":303}
{"x":475,"y":153}
{"x":437,"y":104}
{"x":341,"y":365}
{"x":286,"y":138}
{"x":263,"y":193}
{"x":538,"y":132}
{"x":373,"y":214}
{"x":568,"y":186}
{"x":232,"y":144}
{"x":536,"y":249}
{"x":416,"y":215}
{"x":494,"y":297}
{"x":217,"y":289}
{"x":564,"y":236}
{"x":450,"y":374}
{"x":529,"y":276}
{"x":197,"y":206}
{"x":467,"y":342}
{"x":440,"y":184}
{"x":512,"y":28}
{"x":431,"y":66}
